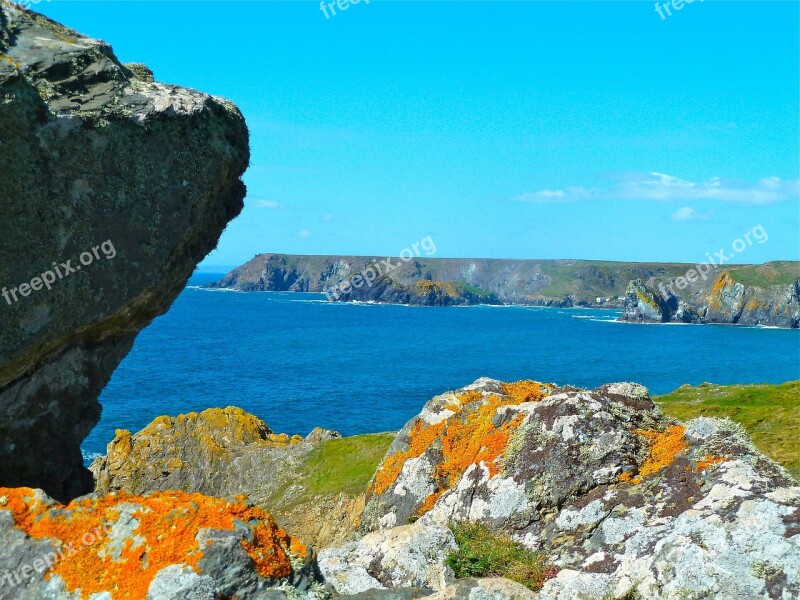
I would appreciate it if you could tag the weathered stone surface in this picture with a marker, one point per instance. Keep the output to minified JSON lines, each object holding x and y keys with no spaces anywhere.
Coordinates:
{"x":408,"y":556}
{"x":495,"y":588}
{"x":197,"y":452}
{"x":227,"y":452}
{"x":93,"y":152}
{"x":718,"y":299}
{"x":161,"y":546}
{"x":621,"y":499}
{"x":644,"y":304}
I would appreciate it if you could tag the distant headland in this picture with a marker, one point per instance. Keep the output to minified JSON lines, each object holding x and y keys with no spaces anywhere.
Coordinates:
{"x":766,"y":295}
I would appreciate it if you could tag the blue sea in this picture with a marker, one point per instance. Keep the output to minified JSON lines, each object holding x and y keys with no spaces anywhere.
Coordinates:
{"x":298,"y":362}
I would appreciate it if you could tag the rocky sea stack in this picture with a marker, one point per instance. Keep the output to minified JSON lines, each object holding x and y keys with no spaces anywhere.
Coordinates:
{"x":93,"y":154}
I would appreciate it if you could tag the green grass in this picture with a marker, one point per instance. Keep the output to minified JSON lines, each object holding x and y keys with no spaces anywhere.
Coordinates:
{"x":474,"y":289}
{"x":486,"y":553}
{"x":774,"y":273}
{"x":769,"y":413}
{"x":345,"y":464}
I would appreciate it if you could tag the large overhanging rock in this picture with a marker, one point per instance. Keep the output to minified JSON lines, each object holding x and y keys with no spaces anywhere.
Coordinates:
{"x":95,"y":158}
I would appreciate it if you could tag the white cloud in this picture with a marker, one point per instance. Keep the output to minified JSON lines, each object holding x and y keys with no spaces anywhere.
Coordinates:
{"x":667,"y":188}
{"x":687,"y":213}
{"x":303,"y":234}
{"x":328,"y":217}
{"x":267,"y":204}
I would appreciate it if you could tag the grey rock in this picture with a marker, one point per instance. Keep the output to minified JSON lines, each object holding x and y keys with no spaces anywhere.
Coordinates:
{"x":494,"y":588}
{"x":408,"y":556}
{"x":93,"y":152}
{"x":623,"y":501}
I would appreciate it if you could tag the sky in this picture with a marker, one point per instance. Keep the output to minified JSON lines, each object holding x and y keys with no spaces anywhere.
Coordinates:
{"x":593,"y":130}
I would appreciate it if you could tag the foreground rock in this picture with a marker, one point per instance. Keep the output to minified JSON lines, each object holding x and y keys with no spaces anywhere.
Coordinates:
{"x":130,"y":181}
{"x":407,"y":556}
{"x":166,"y":546}
{"x":624,"y":501}
{"x":228,"y":452}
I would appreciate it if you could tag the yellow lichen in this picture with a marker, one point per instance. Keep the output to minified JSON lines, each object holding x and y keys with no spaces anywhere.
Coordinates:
{"x":10,"y":60}
{"x":168,"y":523}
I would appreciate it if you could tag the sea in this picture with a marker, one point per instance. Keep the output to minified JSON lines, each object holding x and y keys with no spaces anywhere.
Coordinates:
{"x":298,"y":361}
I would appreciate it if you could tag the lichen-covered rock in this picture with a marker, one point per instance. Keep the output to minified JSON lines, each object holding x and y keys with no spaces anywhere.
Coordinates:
{"x":228,"y":452}
{"x":621,"y":499}
{"x":408,"y":556}
{"x":125,"y":181}
{"x":160,"y":546}
{"x":198,"y":452}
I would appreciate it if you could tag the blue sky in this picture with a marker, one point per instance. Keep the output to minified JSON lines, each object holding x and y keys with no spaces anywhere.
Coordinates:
{"x":501,"y":129}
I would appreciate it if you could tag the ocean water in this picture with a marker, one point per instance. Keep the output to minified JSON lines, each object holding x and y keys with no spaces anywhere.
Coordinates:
{"x":299,"y":362}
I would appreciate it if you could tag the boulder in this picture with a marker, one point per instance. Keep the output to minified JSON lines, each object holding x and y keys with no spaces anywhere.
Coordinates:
{"x":113,"y":188}
{"x":407,"y":556}
{"x":168,"y":545}
{"x":623,"y":501}
{"x":228,"y":452}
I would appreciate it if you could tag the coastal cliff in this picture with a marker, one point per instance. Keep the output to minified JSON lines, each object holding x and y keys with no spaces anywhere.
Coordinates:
{"x":718,"y":300}
{"x":113,"y":188}
{"x":646,"y":292}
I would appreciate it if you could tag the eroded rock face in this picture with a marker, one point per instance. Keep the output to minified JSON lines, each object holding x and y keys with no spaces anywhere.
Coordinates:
{"x":718,"y":299}
{"x":228,"y":452}
{"x":163,"y":546}
{"x":407,"y":556}
{"x":621,"y":499}
{"x":211,"y":452}
{"x":95,"y":158}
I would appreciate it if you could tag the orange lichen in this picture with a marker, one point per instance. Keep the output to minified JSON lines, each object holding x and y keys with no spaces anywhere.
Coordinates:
{"x":430,"y":501}
{"x":709,"y":461}
{"x":723,"y":281}
{"x":625,"y":477}
{"x":420,"y":439}
{"x":525,"y":390}
{"x":467,"y":437}
{"x":168,"y":523}
{"x":664,"y":448}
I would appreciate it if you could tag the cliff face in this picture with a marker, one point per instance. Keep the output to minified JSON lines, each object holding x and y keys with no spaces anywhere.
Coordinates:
{"x":766,"y":295}
{"x":721,"y":299}
{"x":113,"y":188}
{"x":452,"y":281}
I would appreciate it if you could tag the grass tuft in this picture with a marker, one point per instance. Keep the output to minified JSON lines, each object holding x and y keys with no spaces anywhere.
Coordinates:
{"x":486,"y":553}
